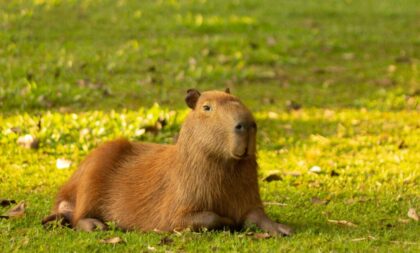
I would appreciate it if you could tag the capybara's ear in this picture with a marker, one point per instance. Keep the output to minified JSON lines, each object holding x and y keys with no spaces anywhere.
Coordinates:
{"x":192,"y":97}
{"x":227,"y":90}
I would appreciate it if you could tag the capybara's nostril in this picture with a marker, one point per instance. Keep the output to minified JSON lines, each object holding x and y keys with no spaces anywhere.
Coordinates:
{"x":239,"y":128}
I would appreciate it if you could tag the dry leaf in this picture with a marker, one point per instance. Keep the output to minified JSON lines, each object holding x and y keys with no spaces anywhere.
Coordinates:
{"x":28,"y":141}
{"x":402,"y":145}
{"x":334,"y":173}
{"x":293,"y":173}
{"x":15,"y":212}
{"x":274,"y":204}
{"x":272,"y":176}
{"x":342,"y":222}
{"x":413,"y":214}
{"x":159,"y":125}
{"x":318,"y":201}
{"x":404,"y":221}
{"x":402,"y":59}
{"x":62,"y":163}
{"x":7,"y":202}
{"x":292,"y":105}
{"x":358,"y":239}
{"x":369,"y":237}
{"x":262,"y":235}
{"x":113,"y":240}
{"x":166,"y":240}
{"x":271,"y":41}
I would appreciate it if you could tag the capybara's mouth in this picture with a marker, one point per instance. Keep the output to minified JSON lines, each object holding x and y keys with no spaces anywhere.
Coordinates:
{"x":241,"y":156}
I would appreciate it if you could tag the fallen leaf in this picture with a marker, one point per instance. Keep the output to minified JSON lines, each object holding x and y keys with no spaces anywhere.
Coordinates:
{"x":7,"y":202}
{"x":402,"y":59}
{"x":369,"y":237}
{"x":402,"y":145}
{"x":16,"y":130}
{"x":407,"y":243}
{"x":318,"y":201}
{"x":342,"y":222}
{"x":351,"y":201}
{"x":262,"y":235}
{"x":273,"y":175}
{"x":274,"y":204}
{"x":334,"y":173}
{"x":358,"y":239}
{"x":292,"y":105}
{"x":413,"y":214}
{"x":159,"y":125}
{"x":28,"y":141}
{"x":348,"y":56}
{"x":315,"y":169}
{"x":314,"y":184}
{"x":268,"y":101}
{"x":404,"y":221}
{"x":166,"y":240}
{"x":293,"y":173}
{"x":271,"y":41}
{"x":113,"y":240}
{"x":62,"y":163}
{"x":15,"y":212}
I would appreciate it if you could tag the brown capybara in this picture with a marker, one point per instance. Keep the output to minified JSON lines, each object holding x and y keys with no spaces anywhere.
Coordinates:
{"x":208,"y":179}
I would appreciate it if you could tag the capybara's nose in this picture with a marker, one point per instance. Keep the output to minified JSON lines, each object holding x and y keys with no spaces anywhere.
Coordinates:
{"x":242,"y":127}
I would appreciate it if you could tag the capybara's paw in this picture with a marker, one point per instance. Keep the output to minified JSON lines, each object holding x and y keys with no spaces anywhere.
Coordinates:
{"x":226,"y":222}
{"x":280,"y":229}
{"x":90,"y":224}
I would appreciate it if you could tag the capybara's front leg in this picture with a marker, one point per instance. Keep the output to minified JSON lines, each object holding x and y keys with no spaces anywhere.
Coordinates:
{"x":200,"y":220}
{"x":258,"y":217}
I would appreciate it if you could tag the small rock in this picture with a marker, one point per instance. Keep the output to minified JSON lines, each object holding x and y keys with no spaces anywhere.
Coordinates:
{"x":62,"y":163}
{"x":315,"y":169}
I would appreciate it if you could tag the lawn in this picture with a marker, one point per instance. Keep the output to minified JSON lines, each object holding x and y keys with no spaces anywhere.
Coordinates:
{"x":334,"y":86}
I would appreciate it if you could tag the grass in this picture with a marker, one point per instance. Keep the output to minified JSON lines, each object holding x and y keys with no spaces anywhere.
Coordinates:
{"x":90,"y":71}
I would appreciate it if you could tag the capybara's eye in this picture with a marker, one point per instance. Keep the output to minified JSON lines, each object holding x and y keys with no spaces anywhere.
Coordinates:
{"x":206,"y":108}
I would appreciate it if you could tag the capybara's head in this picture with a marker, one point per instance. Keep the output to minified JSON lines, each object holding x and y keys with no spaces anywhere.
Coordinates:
{"x":219,"y":125}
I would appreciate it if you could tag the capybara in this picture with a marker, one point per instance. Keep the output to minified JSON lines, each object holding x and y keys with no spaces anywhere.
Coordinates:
{"x":208,"y":179}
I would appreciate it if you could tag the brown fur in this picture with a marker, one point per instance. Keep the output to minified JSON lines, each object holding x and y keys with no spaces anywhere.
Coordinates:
{"x":207,"y":179}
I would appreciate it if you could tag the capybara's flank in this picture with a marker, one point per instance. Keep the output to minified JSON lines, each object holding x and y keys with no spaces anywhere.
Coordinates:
{"x":208,"y":179}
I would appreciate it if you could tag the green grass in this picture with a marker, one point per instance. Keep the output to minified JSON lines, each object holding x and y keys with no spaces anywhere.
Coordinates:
{"x":90,"y":71}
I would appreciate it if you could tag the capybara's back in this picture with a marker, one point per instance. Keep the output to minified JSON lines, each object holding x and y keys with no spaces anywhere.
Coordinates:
{"x":208,"y":179}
